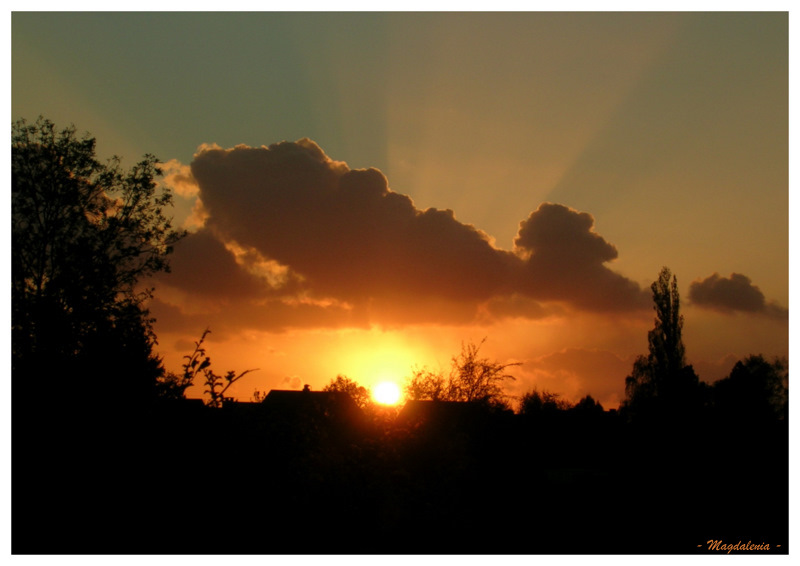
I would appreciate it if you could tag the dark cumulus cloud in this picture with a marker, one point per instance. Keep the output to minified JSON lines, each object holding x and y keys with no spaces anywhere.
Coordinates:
{"x":206,"y":267}
{"x":343,"y":230}
{"x":289,"y":224}
{"x":565,"y":260}
{"x":733,"y":294}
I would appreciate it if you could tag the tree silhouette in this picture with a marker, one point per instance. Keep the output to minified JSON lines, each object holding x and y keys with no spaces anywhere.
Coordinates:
{"x":425,"y":385}
{"x":344,"y":384}
{"x":84,"y":235}
{"x":662,"y":379}
{"x":477,"y":379}
{"x":588,"y":405}
{"x":756,"y":391}
{"x":471,"y":379}
{"x":666,"y":340}
{"x":535,"y":403}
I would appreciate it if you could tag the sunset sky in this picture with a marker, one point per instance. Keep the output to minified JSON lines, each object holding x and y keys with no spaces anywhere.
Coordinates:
{"x":366,"y":191}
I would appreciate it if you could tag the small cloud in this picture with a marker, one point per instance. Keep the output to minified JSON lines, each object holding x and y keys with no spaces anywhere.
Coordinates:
{"x":178,"y":177}
{"x":556,"y":233}
{"x":292,"y":382}
{"x":733,"y":294}
{"x":564,"y":260}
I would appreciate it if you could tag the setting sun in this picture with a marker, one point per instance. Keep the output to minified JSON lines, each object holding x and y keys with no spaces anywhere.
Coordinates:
{"x":386,"y":393}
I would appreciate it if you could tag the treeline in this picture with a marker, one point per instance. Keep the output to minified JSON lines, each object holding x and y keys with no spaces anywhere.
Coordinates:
{"x":662,"y":387}
{"x":85,"y":235}
{"x":126,"y":464}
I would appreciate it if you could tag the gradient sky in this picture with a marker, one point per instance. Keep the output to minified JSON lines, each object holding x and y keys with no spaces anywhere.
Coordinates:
{"x":446,"y":177}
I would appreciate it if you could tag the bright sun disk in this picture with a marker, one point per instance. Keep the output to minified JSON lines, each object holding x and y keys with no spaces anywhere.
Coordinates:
{"x":386,"y":393}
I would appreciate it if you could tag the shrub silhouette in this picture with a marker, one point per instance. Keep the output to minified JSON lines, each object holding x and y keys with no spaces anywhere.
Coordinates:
{"x":471,"y":379}
{"x":198,"y":362}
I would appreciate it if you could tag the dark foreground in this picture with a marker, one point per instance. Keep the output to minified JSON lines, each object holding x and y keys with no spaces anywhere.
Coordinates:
{"x":186,"y":479}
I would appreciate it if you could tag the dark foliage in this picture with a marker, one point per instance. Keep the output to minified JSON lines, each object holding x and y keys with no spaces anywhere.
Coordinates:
{"x":307,"y":472}
{"x":534,"y":403}
{"x":471,"y":379}
{"x":344,"y":384}
{"x":756,"y":392}
{"x":83,"y":369}
{"x":84,"y":235}
{"x":661,"y":384}
{"x":295,"y":477}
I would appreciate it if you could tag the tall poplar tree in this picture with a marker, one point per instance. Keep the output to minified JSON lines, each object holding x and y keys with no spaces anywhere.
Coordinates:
{"x":662,"y":379}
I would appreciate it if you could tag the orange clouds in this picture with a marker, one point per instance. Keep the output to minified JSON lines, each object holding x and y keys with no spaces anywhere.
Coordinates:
{"x":292,"y":236}
{"x":179,"y":178}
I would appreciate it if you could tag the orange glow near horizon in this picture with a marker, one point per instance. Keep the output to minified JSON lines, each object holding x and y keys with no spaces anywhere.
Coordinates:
{"x":387,"y":393}
{"x":374,"y":358}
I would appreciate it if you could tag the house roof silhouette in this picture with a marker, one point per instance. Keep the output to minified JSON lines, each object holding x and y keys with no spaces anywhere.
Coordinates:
{"x":332,"y":405}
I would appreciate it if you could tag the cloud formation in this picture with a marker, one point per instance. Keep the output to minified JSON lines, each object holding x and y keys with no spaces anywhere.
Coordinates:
{"x":178,"y":177}
{"x":343,"y":230}
{"x":564,"y":260}
{"x":205,"y":267}
{"x":287,"y":224}
{"x":732,"y":294}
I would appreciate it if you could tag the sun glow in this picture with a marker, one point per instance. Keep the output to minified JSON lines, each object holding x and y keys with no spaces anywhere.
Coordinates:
{"x":386,"y":393}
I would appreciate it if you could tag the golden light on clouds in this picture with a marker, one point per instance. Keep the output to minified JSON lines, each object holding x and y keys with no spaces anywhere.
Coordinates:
{"x":497,"y":180}
{"x":380,"y":193}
